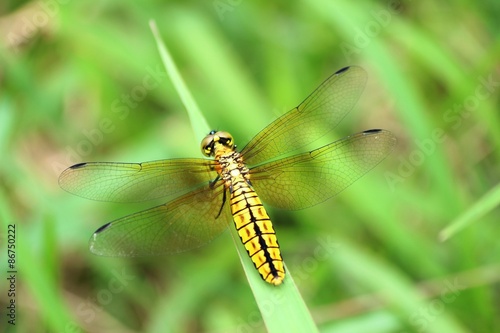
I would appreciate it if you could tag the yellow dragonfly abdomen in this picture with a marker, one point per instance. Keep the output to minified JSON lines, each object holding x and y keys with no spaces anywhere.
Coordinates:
{"x":256,"y":231}
{"x":249,"y":215}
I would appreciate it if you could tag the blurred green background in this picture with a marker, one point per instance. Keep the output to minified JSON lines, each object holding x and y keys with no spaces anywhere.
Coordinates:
{"x":83,"y":81}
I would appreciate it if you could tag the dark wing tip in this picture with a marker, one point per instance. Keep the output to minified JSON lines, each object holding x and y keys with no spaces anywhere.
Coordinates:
{"x":389,"y":137}
{"x":102,"y":228}
{"x":78,"y":165}
{"x":342,"y":70}
{"x":64,"y":174}
{"x":94,"y":247}
{"x":374,"y":130}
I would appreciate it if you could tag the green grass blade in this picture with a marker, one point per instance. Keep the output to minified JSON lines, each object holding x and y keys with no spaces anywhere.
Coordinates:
{"x":198,"y":122}
{"x":480,"y":208}
{"x":282,"y":308}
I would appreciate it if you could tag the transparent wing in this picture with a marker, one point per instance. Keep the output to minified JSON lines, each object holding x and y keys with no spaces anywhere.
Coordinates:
{"x":134,"y":182}
{"x":180,"y":225}
{"x":314,"y":117}
{"x":309,"y":178}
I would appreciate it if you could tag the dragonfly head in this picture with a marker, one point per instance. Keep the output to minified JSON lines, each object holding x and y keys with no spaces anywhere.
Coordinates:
{"x":213,"y":140}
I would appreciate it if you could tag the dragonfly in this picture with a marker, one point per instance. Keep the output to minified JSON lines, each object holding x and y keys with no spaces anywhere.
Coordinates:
{"x":203,"y":195}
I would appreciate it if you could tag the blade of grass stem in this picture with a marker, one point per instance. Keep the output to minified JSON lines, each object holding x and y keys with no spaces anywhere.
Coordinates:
{"x":480,"y":208}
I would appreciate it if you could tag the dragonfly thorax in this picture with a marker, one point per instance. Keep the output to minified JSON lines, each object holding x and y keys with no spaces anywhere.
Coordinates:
{"x":229,"y":163}
{"x":231,"y":166}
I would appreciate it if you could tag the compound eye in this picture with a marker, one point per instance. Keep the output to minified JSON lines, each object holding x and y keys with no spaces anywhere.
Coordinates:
{"x":225,"y":138}
{"x":207,"y":145}
{"x":222,"y":138}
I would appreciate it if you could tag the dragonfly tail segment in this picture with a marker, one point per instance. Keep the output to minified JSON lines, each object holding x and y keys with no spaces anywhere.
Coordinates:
{"x":256,"y":232}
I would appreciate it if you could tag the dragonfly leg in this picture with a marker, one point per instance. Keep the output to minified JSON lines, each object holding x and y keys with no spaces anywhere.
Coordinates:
{"x":223,"y":202}
{"x":212,"y":182}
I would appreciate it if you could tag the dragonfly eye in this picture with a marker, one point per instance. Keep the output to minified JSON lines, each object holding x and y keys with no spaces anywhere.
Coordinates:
{"x":208,"y":143}
{"x":225,"y":139}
